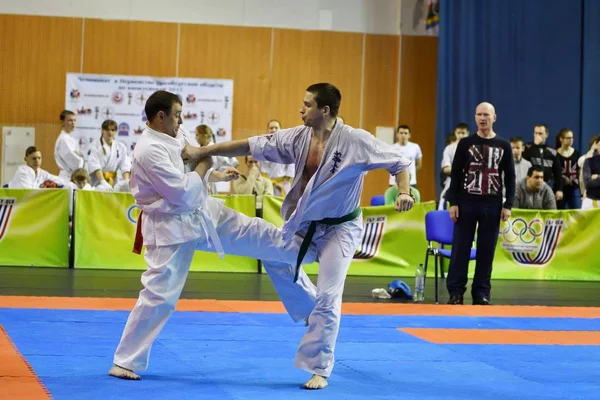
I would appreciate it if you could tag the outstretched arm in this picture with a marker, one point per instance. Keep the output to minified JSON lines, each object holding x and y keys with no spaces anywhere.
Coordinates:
{"x":228,"y":149}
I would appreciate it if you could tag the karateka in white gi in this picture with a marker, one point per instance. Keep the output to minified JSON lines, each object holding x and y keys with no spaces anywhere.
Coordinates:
{"x":179,"y":217}
{"x":31,"y":175}
{"x":331,"y":160}
{"x":67,"y":153}
{"x":109,"y":164}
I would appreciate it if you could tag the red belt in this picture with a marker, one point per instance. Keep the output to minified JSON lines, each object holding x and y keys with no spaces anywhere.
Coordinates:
{"x":138,"y":242}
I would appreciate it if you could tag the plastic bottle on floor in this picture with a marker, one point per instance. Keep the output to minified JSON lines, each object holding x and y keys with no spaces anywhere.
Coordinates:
{"x":419,"y":292}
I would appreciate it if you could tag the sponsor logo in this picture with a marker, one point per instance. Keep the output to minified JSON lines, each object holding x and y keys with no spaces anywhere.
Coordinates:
{"x":107,"y":112}
{"x":84,"y":111}
{"x":191,"y":98}
{"x":123,"y":129}
{"x":117,"y":97}
{"x":133,"y":214}
{"x":6,"y":210}
{"x":213,"y":118}
{"x":190,"y":115}
{"x":531,"y":242}
{"x":75,"y":94}
{"x":371,"y":239}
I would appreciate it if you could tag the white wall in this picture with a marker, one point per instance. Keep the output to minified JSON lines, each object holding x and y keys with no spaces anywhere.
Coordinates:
{"x":366,"y":16}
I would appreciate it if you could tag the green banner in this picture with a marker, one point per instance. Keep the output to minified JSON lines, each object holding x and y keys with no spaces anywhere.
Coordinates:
{"x":532,"y":245}
{"x":34,"y":227}
{"x":561,"y":245}
{"x":393,"y":243}
{"x":105,"y":226}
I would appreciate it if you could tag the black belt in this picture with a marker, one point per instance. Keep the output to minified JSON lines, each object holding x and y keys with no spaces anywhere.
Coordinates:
{"x":311,"y":232}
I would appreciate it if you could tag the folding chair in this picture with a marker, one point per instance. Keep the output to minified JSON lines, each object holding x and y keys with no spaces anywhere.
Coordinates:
{"x":378,"y":200}
{"x":439,"y":228}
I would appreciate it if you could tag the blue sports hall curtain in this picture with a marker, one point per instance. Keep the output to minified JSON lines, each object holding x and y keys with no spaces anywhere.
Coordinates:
{"x":534,"y":60}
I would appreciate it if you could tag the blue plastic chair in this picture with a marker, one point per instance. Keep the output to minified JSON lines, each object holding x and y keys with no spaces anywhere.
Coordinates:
{"x":378,"y":200}
{"x":439,"y":228}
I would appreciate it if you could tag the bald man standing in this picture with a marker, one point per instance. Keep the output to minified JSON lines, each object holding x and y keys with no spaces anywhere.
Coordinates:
{"x":481,"y":163}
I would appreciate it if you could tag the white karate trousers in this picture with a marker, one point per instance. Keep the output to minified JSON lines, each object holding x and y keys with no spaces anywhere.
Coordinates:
{"x":168,"y":268}
{"x":321,"y":304}
{"x":587,"y":203}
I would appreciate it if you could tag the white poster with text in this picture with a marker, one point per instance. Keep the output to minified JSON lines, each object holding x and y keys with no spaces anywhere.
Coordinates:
{"x":96,"y":98}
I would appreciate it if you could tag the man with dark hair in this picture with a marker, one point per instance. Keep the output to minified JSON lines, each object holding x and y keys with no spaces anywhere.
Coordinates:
{"x":177,"y":218}
{"x":331,"y":160}
{"x":461,"y":130}
{"x":533,"y":193}
{"x":481,"y":163}
{"x":538,"y":153}
{"x":411,"y":151}
{"x":31,"y":175}
{"x":253,"y":183}
{"x":521,"y":165}
{"x":67,"y":154}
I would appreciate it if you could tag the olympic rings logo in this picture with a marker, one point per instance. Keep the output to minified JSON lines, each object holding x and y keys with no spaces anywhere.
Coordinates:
{"x":518,"y":228}
{"x":133,"y":213}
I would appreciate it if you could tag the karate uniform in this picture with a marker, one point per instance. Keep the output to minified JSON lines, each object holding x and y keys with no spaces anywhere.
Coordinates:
{"x":178,"y":218}
{"x":278,"y":173}
{"x":67,"y":155}
{"x":333,"y":191}
{"x":220,"y":163}
{"x":26,"y":178}
{"x":109,"y":159}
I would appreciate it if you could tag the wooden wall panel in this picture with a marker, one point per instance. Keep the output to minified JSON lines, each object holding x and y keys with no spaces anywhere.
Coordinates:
{"x":43,"y":49}
{"x":130,"y":48}
{"x":418,"y":92}
{"x":380,"y":99}
{"x":37,"y":53}
{"x":302,"y":58}
{"x":238,"y":53}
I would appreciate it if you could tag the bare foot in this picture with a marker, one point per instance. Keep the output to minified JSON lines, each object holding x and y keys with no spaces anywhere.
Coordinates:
{"x":316,"y":382}
{"x":123,"y":373}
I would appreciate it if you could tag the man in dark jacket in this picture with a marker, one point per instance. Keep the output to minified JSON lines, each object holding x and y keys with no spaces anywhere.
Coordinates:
{"x":539,"y":154}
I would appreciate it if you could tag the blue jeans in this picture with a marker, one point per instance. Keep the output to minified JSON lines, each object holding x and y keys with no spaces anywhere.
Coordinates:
{"x":571,"y":199}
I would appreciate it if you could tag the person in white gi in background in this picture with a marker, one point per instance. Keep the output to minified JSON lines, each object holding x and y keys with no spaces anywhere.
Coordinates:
{"x":206,"y":137}
{"x":67,"y":154}
{"x":331,"y":160}
{"x":179,"y":217}
{"x":108,"y":162}
{"x":31,"y":175}
{"x":281,"y":175}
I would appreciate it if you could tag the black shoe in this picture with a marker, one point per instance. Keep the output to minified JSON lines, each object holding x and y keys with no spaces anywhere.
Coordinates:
{"x":481,"y":301}
{"x":456,"y":299}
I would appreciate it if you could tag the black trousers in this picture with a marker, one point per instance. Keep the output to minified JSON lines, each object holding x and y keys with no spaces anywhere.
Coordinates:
{"x":485,"y":218}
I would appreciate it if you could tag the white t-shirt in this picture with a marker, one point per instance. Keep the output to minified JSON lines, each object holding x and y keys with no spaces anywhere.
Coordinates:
{"x":412,"y":151}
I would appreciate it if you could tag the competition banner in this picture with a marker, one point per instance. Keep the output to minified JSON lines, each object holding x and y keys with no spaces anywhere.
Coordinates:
{"x":34,"y":227}
{"x":532,"y":245}
{"x":95,"y":98}
{"x":539,"y":245}
{"x":105,"y":224}
{"x":393,"y":243}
